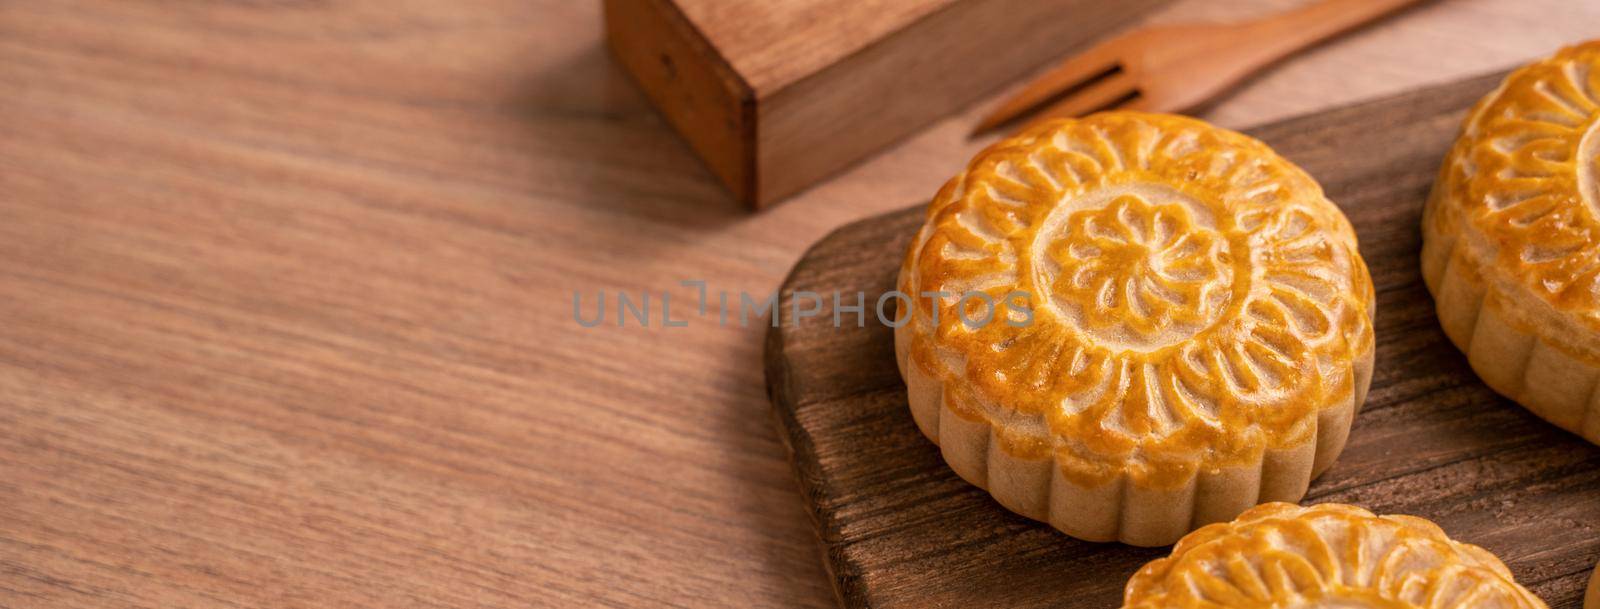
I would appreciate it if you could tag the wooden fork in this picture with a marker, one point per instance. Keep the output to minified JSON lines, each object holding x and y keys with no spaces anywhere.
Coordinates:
{"x":1176,"y":68}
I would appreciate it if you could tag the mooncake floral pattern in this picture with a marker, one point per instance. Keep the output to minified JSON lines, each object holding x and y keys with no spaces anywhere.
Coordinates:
{"x":1140,"y":268}
{"x":1525,"y":176}
{"x":1279,"y":556}
{"x":1196,"y":300}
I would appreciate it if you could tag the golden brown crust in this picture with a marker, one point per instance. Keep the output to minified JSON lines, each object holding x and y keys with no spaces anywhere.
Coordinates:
{"x":1520,"y":183}
{"x":1329,"y":555}
{"x":1512,"y":238}
{"x":1199,"y":312}
{"x":1591,"y":600}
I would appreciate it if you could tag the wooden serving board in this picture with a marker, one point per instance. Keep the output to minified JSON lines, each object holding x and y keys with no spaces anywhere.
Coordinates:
{"x":900,"y":530}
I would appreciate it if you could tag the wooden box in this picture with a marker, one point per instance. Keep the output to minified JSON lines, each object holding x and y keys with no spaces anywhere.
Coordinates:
{"x":778,"y":94}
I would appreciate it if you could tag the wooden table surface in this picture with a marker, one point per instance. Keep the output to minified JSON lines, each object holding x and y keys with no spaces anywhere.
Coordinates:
{"x":286,"y":302}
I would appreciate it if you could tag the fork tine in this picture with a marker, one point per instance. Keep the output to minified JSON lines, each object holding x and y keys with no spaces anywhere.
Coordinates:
{"x":1074,"y":72}
{"x":1103,"y":95}
{"x":1138,"y":103}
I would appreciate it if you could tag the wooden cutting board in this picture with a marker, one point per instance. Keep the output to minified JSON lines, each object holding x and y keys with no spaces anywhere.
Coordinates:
{"x":900,"y":530}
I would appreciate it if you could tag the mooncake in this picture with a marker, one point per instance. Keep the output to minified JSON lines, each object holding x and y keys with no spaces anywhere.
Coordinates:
{"x":1330,"y":555}
{"x":1179,"y":326}
{"x":1511,"y":239}
{"x":1591,"y":599}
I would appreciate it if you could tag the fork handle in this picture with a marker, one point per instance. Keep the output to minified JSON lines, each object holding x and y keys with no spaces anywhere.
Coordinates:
{"x":1305,"y":26}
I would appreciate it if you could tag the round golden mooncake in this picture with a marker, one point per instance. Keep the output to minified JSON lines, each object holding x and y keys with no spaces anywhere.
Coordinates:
{"x":1511,"y":239}
{"x":1181,"y":328}
{"x":1591,"y":600}
{"x":1281,"y":555}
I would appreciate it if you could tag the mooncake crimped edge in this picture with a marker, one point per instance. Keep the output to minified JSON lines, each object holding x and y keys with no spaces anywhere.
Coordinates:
{"x":1560,"y":387}
{"x":1122,"y":510}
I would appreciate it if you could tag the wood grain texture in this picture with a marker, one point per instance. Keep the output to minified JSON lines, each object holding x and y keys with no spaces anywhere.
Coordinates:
{"x":780,"y":43}
{"x":285,"y":302}
{"x":706,"y":99}
{"x":928,"y":69}
{"x":776,"y":96}
{"x":902,"y":530}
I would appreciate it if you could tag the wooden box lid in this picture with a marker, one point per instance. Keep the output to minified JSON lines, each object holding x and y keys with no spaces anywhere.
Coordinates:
{"x":776,"y":95}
